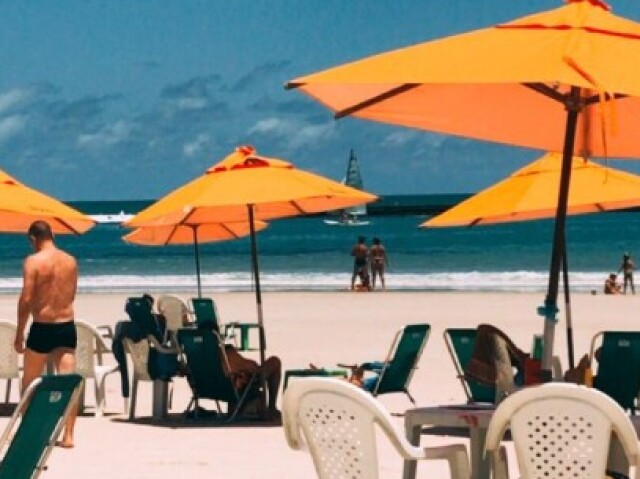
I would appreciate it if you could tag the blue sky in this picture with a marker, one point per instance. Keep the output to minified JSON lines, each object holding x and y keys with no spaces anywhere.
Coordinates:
{"x":119,"y":99}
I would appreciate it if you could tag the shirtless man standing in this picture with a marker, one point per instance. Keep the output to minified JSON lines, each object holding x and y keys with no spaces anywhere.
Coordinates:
{"x":50,"y":278}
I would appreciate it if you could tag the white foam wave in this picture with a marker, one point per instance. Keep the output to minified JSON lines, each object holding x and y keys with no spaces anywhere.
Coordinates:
{"x":518,"y":281}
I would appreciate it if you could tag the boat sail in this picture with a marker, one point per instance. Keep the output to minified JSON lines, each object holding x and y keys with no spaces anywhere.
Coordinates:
{"x":353,"y":178}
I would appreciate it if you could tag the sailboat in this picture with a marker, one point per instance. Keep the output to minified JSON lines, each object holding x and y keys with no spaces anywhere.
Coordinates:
{"x":350,"y":216}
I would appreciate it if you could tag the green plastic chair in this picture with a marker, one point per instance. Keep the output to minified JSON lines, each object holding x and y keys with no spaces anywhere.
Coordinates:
{"x":396,"y":371}
{"x":48,"y":401}
{"x":460,"y":343}
{"x":618,"y":373}
{"x":207,"y":317}
{"x":207,"y":372}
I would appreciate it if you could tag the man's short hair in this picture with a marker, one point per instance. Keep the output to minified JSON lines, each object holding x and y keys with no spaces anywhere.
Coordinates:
{"x":40,"y":230}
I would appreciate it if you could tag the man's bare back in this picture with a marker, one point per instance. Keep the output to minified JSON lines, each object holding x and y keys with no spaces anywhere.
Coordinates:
{"x":55,"y":277}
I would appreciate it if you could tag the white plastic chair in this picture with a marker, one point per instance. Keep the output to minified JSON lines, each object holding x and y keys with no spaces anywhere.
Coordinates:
{"x":139,"y":354}
{"x":561,"y":430}
{"x":337,"y":421}
{"x":9,"y":368}
{"x":174,"y":309}
{"x":89,"y":361}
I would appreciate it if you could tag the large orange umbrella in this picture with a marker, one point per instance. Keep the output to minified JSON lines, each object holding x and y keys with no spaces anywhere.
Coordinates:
{"x":544,"y":81}
{"x":246,"y":187}
{"x":531,"y":193}
{"x":187,"y":234}
{"x":20,"y":206}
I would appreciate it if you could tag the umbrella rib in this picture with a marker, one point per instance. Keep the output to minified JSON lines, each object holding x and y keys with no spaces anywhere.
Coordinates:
{"x":68,"y":226}
{"x":170,"y":236}
{"x":547,"y":91}
{"x":229,"y":230}
{"x":595,"y":98}
{"x":376,"y":99}
{"x":298,"y":208}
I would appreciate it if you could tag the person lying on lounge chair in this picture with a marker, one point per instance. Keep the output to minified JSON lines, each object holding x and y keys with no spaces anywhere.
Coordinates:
{"x":242,"y":368}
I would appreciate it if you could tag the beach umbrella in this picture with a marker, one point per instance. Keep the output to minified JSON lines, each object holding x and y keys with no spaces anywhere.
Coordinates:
{"x":559,"y":80}
{"x":20,"y":206}
{"x":247,"y":187}
{"x":187,"y":234}
{"x":531,"y":193}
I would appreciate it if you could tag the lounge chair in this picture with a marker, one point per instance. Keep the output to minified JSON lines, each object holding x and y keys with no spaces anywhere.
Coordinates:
{"x":336,"y":422}
{"x":207,"y":316}
{"x":618,"y":372}
{"x":9,"y":368}
{"x":460,"y":344}
{"x":561,"y":430}
{"x":48,"y":401}
{"x":89,"y":362}
{"x":207,"y":368}
{"x":395,"y":372}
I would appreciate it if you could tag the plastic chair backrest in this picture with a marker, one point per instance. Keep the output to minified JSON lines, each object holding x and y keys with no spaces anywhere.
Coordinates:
{"x":49,"y":400}
{"x":85,"y":350}
{"x":618,"y":373}
{"x":337,"y":421}
{"x":139,"y":353}
{"x":403,"y":357}
{"x":8,"y":355}
{"x":206,"y":313}
{"x":208,"y":378}
{"x":562,"y":427}
{"x":463,"y":341}
{"x":173,"y":309}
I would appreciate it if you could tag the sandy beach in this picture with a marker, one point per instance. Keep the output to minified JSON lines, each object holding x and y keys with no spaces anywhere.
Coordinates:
{"x":323,"y":328}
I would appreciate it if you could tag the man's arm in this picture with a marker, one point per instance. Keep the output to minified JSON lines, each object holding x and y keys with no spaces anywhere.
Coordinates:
{"x":24,"y":302}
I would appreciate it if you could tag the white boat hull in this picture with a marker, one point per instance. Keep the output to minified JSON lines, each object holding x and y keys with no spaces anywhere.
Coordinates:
{"x":347,"y":223}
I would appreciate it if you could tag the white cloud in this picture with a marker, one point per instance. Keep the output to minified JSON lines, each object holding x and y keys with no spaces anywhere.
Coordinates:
{"x":399,"y":138}
{"x":298,"y":134}
{"x":109,"y":135}
{"x":12,"y":98}
{"x":196,"y":146}
{"x":10,"y":126}
{"x":192,"y":103}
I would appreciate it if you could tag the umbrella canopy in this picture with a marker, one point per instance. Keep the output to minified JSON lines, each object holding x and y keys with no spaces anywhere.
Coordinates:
{"x":532,"y":193}
{"x":247,"y":187}
{"x":558,"y":80}
{"x":187,"y":234}
{"x":20,"y":206}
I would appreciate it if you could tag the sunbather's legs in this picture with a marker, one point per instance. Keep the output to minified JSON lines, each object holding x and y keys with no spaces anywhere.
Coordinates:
{"x":272,"y":371}
{"x":64,"y":360}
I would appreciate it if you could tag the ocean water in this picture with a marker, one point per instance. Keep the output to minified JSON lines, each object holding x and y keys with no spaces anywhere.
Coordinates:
{"x":306,"y":254}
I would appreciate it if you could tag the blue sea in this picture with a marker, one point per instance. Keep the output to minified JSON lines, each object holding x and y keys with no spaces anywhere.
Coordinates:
{"x":305,"y":254}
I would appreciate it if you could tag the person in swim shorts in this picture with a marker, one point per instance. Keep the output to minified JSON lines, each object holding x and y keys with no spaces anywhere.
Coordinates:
{"x":360,"y":254}
{"x":49,"y":283}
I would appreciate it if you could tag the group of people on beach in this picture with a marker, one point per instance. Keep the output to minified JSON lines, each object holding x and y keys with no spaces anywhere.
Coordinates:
{"x":366,"y":260}
{"x":611,"y":285}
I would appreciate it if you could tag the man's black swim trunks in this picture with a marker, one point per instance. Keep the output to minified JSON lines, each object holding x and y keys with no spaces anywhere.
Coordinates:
{"x":45,"y":337}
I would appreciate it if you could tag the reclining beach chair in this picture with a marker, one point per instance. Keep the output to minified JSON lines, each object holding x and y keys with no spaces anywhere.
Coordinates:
{"x":207,"y":316}
{"x":395,"y":372}
{"x":207,"y":372}
{"x":618,"y":372}
{"x":562,"y":430}
{"x":460,"y":344}
{"x":336,"y":422}
{"x":48,"y":402}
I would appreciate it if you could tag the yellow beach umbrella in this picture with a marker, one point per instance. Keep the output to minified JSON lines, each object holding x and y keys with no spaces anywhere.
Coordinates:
{"x":20,"y":206}
{"x":557,"y":80}
{"x":187,"y":234}
{"x":246,"y":187}
{"x":532,"y":193}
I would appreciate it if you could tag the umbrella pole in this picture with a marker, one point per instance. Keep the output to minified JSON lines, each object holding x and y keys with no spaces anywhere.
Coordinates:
{"x":567,"y":305}
{"x":197,"y":254}
{"x":550,"y":308}
{"x":256,"y":276}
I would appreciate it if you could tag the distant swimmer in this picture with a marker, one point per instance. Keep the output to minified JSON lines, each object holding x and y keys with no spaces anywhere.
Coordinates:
{"x":379,"y":261}
{"x":626,"y":268}
{"x":360,"y":254}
